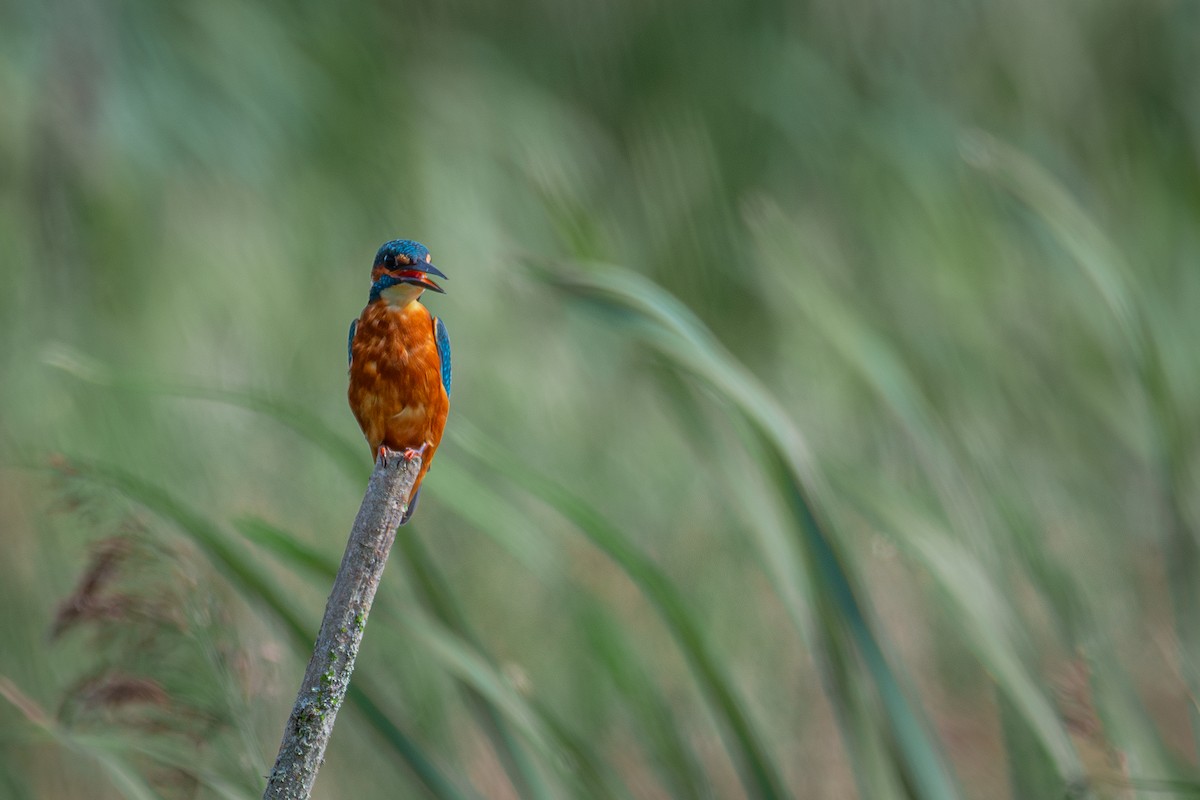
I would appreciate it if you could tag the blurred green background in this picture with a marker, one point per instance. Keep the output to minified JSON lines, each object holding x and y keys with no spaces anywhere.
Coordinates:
{"x":825,"y":404}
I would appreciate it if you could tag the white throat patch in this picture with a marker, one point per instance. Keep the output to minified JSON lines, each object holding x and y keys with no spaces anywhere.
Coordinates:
{"x":401,"y":294}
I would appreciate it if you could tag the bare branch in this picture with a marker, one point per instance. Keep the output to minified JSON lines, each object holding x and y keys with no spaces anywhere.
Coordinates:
{"x":328,"y":675}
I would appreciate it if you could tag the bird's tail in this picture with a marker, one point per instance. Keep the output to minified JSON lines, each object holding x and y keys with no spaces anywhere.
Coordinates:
{"x":412,"y":506}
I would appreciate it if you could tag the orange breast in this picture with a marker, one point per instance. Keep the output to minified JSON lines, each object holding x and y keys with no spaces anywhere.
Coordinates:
{"x":396,"y":390}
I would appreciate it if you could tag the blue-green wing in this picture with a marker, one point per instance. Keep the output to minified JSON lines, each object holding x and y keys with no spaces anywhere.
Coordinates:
{"x":350,"y":343}
{"x":443,"y":346}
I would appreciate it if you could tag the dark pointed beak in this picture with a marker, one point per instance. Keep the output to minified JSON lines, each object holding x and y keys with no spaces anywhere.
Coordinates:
{"x":419,"y":276}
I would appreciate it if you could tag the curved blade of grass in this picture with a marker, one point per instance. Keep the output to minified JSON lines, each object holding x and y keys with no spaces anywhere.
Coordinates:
{"x":352,"y":460}
{"x":984,"y":618}
{"x":252,"y":583}
{"x":477,"y":502}
{"x":1102,"y":263}
{"x":875,"y":770}
{"x":976,"y":603}
{"x":1079,"y":235}
{"x":759,"y":774}
{"x":437,"y":595}
{"x":431,"y":779}
{"x":1031,"y":772}
{"x":1165,"y":788}
{"x":475,"y":671}
{"x":871,"y":753}
{"x":288,"y":548}
{"x":185,"y":764}
{"x":675,"y":760}
{"x":101,"y":749}
{"x":1127,"y":727}
{"x":591,"y":772}
{"x":13,"y":784}
{"x":846,"y":632}
{"x":125,"y":778}
{"x":669,"y":327}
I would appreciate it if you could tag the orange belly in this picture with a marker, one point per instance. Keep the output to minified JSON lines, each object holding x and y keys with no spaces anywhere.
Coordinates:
{"x":396,"y":390}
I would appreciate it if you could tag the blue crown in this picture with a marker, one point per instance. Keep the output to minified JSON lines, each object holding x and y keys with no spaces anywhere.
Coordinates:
{"x":414,"y":251}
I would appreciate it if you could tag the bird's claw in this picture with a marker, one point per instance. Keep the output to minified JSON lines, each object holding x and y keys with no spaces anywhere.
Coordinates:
{"x":411,"y":453}
{"x":408,"y":453}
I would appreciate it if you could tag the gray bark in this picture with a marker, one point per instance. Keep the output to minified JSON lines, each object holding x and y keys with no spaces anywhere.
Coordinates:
{"x":327,"y":678}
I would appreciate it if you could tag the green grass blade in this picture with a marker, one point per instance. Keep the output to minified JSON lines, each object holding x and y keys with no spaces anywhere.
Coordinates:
{"x":287,"y":547}
{"x":1107,"y":269}
{"x":432,"y":780}
{"x":353,"y":460}
{"x":759,"y":774}
{"x":675,"y":759}
{"x":103,"y":750}
{"x":982,"y":617}
{"x":1031,"y":772}
{"x":436,"y":594}
{"x":668,"y":326}
{"x":985,"y":620}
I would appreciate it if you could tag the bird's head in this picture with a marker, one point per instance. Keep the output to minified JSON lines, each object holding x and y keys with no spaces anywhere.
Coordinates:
{"x":401,"y":272}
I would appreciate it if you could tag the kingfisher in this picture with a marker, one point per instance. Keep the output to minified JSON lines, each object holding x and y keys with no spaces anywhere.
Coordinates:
{"x":399,"y":357}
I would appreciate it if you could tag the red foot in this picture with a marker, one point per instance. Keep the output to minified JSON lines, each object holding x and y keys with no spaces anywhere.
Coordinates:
{"x":410,"y":453}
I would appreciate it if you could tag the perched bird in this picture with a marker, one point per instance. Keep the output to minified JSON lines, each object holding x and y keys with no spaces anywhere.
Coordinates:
{"x":400,"y":360}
